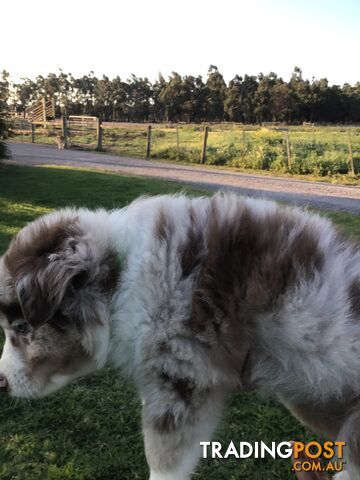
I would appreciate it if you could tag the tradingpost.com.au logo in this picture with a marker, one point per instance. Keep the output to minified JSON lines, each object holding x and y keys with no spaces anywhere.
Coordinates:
{"x":308,"y":457}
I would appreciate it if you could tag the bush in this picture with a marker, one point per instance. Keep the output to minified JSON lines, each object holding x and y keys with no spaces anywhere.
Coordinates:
{"x":4,"y":152}
{"x":221,"y":155}
{"x":266,"y":151}
{"x":330,"y":163}
{"x":191,"y":155}
{"x":4,"y":127}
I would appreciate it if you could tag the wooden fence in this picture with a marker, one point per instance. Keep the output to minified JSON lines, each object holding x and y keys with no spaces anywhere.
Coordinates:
{"x":41,"y":111}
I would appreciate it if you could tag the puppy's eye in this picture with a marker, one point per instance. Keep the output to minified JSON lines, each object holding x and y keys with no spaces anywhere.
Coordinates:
{"x":21,"y":327}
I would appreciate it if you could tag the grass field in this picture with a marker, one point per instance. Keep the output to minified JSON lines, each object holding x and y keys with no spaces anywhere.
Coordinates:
{"x":91,"y":430}
{"x":315,"y":152}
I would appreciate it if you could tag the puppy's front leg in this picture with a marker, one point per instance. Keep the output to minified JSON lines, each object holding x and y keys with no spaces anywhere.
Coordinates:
{"x":173,"y":429}
{"x":350,"y":433}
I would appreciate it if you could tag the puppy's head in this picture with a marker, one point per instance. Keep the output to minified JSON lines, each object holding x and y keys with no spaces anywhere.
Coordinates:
{"x":56,"y":280}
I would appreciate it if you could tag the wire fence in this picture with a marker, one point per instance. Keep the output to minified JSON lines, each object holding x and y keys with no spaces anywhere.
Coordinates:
{"x":306,"y":149}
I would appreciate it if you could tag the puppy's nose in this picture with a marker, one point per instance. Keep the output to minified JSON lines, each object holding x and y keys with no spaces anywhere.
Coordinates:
{"x":3,"y":384}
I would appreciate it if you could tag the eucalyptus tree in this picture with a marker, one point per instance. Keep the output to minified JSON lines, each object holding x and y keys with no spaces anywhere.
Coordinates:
{"x":216,"y":91}
{"x":139,"y":98}
{"x":173,"y":97}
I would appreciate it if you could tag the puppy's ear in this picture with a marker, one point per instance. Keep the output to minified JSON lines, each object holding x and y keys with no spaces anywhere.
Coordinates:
{"x":73,"y":279}
{"x":42,"y":292}
{"x":35,"y":307}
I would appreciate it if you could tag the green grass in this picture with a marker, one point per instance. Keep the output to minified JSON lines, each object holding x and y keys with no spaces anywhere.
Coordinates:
{"x":91,"y":430}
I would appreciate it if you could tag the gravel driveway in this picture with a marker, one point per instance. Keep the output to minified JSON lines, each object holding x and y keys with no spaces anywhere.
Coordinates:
{"x":300,"y":192}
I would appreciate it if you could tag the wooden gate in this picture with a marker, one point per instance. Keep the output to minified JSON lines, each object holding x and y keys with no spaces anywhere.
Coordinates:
{"x":41,"y":110}
{"x":82,"y":130}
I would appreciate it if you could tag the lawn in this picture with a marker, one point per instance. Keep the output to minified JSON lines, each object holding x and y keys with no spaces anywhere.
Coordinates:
{"x":91,"y":430}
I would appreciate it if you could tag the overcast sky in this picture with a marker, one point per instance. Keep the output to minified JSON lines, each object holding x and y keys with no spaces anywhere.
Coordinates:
{"x":146,"y":37}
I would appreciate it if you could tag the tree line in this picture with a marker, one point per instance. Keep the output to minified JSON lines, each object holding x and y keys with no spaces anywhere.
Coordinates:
{"x":187,"y":98}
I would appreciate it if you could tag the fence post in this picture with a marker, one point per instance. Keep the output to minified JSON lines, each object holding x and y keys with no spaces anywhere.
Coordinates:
{"x":244,"y":138}
{"x":53,"y":107}
{"x":351,"y":157}
{"x":288,"y":150}
{"x":148,"y":146}
{"x":203,"y":153}
{"x":177,"y":142}
{"x":64,"y":130}
{"x":99,"y":134}
{"x":32,"y":133}
{"x":44,"y":110}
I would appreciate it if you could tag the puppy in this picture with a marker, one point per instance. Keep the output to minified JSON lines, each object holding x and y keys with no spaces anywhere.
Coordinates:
{"x":193,"y":299}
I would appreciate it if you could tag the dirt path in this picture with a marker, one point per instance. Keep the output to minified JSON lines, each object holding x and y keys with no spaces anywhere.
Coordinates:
{"x":317,"y":194}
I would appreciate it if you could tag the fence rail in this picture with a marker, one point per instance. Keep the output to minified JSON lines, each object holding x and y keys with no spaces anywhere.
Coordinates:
{"x":81,"y":125}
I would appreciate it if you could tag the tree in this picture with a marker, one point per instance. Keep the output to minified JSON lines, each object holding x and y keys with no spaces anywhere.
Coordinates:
{"x":64,"y":95}
{"x":199,"y":96}
{"x":84,"y":94}
{"x":118,"y":98}
{"x":300,"y":98}
{"x":4,"y":127}
{"x":239,"y":102}
{"x":157,"y":104}
{"x":194,"y":96}
{"x":103,"y":98}
{"x":173,"y":97}
{"x":263,"y":99}
{"x":280,"y":101}
{"x":352,"y":102}
{"x":232,"y":103}
{"x":24,"y":93}
{"x":318,"y":100}
{"x":247,"y":99}
{"x":216,"y":90}
{"x":138,"y":98}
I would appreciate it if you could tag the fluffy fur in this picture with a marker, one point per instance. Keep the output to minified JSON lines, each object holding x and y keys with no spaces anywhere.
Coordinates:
{"x":193,"y":299}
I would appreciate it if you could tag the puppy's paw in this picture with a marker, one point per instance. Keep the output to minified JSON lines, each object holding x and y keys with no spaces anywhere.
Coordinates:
{"x":342,"y":476}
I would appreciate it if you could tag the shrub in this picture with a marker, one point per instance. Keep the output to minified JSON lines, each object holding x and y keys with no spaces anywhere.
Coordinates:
{"x":4,"y":127}
{"x":191,"y":155}
{"x":221,"y":155}
{"x":4,"y":132}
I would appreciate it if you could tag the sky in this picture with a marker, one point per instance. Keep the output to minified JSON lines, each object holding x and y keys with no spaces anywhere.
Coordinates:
{"x":145,"y":37}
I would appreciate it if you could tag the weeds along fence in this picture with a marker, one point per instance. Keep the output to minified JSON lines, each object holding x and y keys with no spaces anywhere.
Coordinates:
{"x":307,"y":149}
{"x":302,"y":150}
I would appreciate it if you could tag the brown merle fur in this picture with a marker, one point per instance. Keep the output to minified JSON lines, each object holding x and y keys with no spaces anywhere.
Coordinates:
{"x":50,"y":291}
{"x":244,"y":267}
{"x":59,"y":297}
